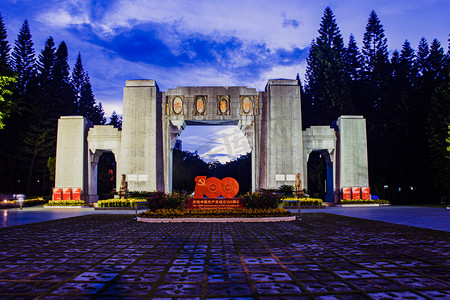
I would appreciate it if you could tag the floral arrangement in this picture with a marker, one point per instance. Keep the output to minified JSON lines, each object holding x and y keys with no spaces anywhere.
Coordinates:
{"x":303,"y":202}
{"x":130,"y":202}
{"x":66,"y":203}
{"x":216,"y":213}
{"x":362,"y":201}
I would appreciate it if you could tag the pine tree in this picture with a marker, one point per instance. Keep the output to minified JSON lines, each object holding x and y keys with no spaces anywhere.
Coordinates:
{"x":87,"y":104}
{"x":99,"y":115}
{"x":5,"y":68}
{"x":437,"y":62}
{"x":23,"y":58}
{"x":115,"y":120}
{"x":78,"y":79}
{"x":423,"y":51}
{"x":326,"y":73}
{"x":375,"y":62}
{"x":353,"y":67}
{"x":46,"y":81}
{"x":64,"y":91}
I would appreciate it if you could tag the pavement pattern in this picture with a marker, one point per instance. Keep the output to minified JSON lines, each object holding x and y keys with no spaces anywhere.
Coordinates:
{"x":322,"y":257}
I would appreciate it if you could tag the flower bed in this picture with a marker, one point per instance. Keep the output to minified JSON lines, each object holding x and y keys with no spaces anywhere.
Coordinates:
{"x":304,"y":202}
{"x":120,"y":203}
{"x":216,"y":213}
{"x":66,"y":203}
{"x":364,"y":202}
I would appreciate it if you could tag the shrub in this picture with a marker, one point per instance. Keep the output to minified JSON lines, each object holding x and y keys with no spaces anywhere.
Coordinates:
{"x":264,"y":200}
{"x":286,"y":190}
{"x":160,"y":200}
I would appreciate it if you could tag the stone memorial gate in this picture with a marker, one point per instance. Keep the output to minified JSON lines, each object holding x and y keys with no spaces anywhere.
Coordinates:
{"x":152,"y":120}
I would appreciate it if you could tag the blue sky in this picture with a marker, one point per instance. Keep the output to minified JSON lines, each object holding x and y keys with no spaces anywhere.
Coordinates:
{"x":208,"y":42}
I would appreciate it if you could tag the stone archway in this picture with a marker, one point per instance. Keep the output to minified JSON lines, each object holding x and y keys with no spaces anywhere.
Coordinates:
{"x":152,"y":120}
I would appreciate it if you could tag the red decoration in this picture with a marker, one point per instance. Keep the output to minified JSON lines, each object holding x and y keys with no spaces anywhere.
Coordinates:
{"x":67,"y":194}
{"x":366,"y":193}
{"x":356,"y":193}
{"x":76,"y":194}
{"x":214,"y":187}
{"x":346,"y":193}
{"x":57,"y":194}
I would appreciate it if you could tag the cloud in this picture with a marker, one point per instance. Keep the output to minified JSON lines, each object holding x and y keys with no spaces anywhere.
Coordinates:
{"x":215,"y":143}
{"x":149,"y":43}
{"x":290,"y":22}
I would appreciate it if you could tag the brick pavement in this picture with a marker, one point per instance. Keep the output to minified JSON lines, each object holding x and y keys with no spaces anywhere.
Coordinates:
{"x":323,"y":257}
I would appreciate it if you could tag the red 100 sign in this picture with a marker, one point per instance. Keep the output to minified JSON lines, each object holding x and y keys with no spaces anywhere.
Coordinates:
{"x":214,"y":187}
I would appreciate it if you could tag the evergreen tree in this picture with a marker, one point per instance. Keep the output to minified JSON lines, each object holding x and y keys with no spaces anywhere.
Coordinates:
{"x":5,"y":68}
{"x":23,"y":58}
{"x":46,"y":81}
{"x":375,"y":62}
{"x":115,"y":120}
{"x":353,"y":67}
{"x":87,"y":106}
{"x":326,"y":73}
{"x":438,"y":122}
{"x":437,"y":62}
{"x":423,"y":51}
{"x":78,"y":79}
{"x":6,"y":91}
{"x":64,"y":91}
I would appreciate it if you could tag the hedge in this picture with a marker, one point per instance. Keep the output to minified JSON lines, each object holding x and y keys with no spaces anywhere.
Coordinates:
{"x":303,"y":202}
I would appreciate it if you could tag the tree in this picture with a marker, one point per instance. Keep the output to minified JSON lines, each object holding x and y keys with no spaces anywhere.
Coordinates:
{"x":78,"y":79}
{"x":46,"y":85}
{"x":87,"y":106}
{"x":353,"y":66}
{"x":23,"y":58}
{"x":5,"y":68}
{"x":115,"y":120}
{"x":438,"y":122}
{"x":64,"y":91}
{"x":6,"y":91}
{"x":375,"y":62}
{"x":325,"y":74}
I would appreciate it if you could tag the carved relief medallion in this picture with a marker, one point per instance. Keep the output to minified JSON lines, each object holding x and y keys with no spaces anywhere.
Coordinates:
{"x":177,"y":105}
{"x":246,"y":105}
{"x":200,"y":105}
{"x":223,"y":105}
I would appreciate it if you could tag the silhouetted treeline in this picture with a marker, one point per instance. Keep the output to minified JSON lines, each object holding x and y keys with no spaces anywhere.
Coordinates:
{"x":35,"y":91}
{"x":404,"y":96}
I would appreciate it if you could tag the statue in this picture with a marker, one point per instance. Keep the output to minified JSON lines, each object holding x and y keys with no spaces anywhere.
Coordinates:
{"x":123,"y":191}
{"x":298,"y":189}
{"x":298,"y":183}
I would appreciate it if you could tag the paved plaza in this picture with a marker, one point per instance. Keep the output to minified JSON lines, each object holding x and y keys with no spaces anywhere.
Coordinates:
{"x":324,"y":256}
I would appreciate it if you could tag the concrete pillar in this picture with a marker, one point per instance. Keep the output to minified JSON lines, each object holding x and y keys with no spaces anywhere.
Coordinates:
{"x":141,"y":152}
{"x":284,"y":132}
{"x":353,"y":168}
{"x":72,"y":154}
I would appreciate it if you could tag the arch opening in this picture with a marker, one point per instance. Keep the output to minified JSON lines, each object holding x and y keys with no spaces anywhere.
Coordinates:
{"x":320,"y":175}
{"x":214,"y":150}
{"x":106,"y":175}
